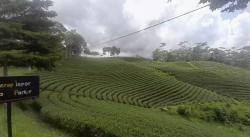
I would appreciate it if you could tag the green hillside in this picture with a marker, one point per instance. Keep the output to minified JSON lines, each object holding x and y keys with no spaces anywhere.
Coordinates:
{"x":223,"y":79}
{"x":123,"y":82}
{"x":90,"y":117}
{"x":128,"y":97}
{"x":27,"y":124}
{"x":72,"y":95}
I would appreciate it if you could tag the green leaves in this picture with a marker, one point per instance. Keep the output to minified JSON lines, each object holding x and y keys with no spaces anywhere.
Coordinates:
{"x":27,"y":34}
{"x":74,"y":42}
{"x":111,"y":50}
{"x":19,"y":58}
{"x":12,"y":8}
{"x":226,"y":5}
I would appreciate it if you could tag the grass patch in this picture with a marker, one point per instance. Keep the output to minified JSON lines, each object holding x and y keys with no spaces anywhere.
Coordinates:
{"x":121,"y":81}
{"x":223,"y":79}
{"x":229,"y":114}
{"x":103,"y":118}
{"x":27,"y":124}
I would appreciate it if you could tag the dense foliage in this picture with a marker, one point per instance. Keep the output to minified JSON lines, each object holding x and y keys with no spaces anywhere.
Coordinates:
{"x":75,"y":43}
{"x":218,"y":112}
{"x":226,"y":5}
{"x":111,"y":50}
{"x":202,"y":52}
{"x":28,"y":35}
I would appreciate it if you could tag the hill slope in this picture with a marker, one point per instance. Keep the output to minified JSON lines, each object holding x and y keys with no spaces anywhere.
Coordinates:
{"x":26,"y":124}
{"x":84,"y":96}
{"x":223,"y":79}
{"x":121,"y":81}
{"x":90,"y":117}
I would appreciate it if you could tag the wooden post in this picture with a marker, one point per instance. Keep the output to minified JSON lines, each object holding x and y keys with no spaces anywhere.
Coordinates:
{"x":9,"y":124}
{"x":5,"y":69}
{"x":9,"y":119}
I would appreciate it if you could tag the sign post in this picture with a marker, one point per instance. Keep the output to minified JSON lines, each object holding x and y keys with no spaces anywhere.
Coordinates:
{"x":5,"y":74}
{"x":15,"y":89}
{"x":9,"y":119}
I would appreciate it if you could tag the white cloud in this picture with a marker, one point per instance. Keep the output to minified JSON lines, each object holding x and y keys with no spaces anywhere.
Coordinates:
{"x":142,"y":12}
{"x":99,"y":20}
{"x":241,"y":29}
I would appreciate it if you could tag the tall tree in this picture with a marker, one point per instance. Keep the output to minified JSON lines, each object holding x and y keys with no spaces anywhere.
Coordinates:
{"x":200,"y":51}
{"x":218,"y":55}
{"x":26,"y":34}
{"x":75,"y":43}
{"x":111,"y":50}
{"x":162,"y":55}
{"x":115,"y":51}
{"x":107,"y":50}
{"x":86,"y":51}
{"x":243,"y":57}
{"x":185,"y":51}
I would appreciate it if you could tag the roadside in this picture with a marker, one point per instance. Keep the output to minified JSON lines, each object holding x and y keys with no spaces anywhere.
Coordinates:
{"x":27,"y":124}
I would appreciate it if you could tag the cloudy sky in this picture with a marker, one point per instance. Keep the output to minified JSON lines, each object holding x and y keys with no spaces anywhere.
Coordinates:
{"x":101,"y":20}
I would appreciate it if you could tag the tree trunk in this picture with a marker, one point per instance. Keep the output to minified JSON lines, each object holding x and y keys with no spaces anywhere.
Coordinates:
{"x":66,"y":52}
{"x":70,"y":51}
{"x":5,"y":69}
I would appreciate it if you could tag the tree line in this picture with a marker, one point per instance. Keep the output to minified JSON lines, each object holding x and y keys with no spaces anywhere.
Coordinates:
{"x":202,"y":52}
{"x":30,"y":37}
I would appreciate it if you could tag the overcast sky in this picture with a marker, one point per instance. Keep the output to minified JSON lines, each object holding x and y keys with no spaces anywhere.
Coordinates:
{"x":101,"y":20}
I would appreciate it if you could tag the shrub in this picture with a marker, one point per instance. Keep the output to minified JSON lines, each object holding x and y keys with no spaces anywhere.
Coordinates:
{"x":22,"y":106}
{"x":221,"y":115}
{"x":184,"y":111}
{"x":217,"y":112}
{"x":36,"y":106}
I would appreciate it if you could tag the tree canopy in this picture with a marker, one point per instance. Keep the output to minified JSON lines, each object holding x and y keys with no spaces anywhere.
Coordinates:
{"x":201,"y":52}
{"x":227,"y":5}
{"x":28,"y":36}
{"x":111,"y":50}
{"x":75,"y":43}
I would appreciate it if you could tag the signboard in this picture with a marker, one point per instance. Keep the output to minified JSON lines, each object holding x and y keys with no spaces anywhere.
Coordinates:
{"x":18,"y":88}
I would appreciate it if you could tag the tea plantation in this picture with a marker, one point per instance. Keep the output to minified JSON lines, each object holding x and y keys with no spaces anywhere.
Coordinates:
{"x":223,"y":79}
{"x":122,"y":82}
{"x":93,"y":118}
{"x":129,"y":97}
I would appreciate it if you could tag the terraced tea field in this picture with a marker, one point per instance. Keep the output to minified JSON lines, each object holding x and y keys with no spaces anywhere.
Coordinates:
{"x":223,"y":79}
{"x":115,"y":97}
{"x":120,"y":81}
{"x":88,"y":117}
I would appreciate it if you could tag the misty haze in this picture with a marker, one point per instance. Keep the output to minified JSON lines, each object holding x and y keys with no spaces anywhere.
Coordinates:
{"x":124,"y":68}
